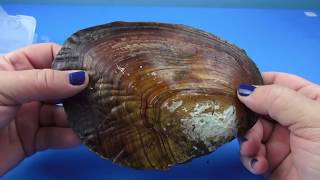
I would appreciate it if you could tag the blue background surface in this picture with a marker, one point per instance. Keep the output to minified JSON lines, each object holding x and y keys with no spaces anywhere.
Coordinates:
{"x":277,"y":40}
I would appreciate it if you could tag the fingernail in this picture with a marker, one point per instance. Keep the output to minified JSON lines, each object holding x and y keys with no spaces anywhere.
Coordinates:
{"x":253,"y":162}
{"x":245,"y":89}
{"x":77,"y":78}
{"x":60,"y":104}
{"x":242,"y":139}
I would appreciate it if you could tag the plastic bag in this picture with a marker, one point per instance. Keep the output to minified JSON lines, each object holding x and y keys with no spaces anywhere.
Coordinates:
{"x":15,"y":31}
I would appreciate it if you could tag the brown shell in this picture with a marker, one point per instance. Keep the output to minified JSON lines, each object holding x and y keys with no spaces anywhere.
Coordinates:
{"x":159,"y":94}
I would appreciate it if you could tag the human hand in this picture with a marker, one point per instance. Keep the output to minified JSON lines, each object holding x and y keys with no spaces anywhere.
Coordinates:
{"x":29,"y":119}
{"x":285,"y":143}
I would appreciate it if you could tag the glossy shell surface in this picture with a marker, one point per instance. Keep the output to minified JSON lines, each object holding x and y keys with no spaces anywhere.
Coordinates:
{"x":159,"y":94}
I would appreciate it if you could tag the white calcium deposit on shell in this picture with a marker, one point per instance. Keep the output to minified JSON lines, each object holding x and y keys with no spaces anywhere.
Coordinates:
{"x":173,"y":106}
{"x":205,"y":126}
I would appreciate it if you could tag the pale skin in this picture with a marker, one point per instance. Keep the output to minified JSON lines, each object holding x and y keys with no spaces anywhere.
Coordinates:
{"x":286,"y":145}
{"x":29,"y":119}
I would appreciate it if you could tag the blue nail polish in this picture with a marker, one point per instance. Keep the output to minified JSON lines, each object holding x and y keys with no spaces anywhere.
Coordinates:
{"x":77,"y":78}
{"x":253,"y":162}
{"x":245,"y":89}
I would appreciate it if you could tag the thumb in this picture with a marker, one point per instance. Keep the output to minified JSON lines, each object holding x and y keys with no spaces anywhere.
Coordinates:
{"x":19,"y":87}
{"x":280,"y":103}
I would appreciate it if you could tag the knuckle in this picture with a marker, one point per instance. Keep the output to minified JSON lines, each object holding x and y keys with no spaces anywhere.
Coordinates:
{"x":71,"y":140}
{"x":45,"y":78}
{"x":274,"y":93}
{"x":311,"y":91}
{"x":278,"y":100}
{"x":316,"y":94}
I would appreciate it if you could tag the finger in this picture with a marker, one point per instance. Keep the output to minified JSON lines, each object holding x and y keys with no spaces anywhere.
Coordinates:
{"x":282,"y":104}
{"x":258,"y":134}
{"x":11,"y":152}
{"x":56,"y":138}
{"x":37,"y":56}
{"x":286,"y":170}
{"x":51,"y":115}
{"x":27,"y":125}
{"x":278,"y":146}
{"x":250,"y":145}
{"x":268,"y":126}
{"x":311,"y":91}
{"x":52,"y":101}
{"x":287,"y":80}
{"x":294,"y":82}
{"x":36,"y":85}
{"x":7,"y":114}
{"x":257,"y":164}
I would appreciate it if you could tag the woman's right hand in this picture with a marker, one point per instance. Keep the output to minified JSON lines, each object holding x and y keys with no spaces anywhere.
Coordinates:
{"x":286,"y":144}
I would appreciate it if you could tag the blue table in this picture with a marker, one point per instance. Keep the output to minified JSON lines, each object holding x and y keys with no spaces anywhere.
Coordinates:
{"x":277,"y":40}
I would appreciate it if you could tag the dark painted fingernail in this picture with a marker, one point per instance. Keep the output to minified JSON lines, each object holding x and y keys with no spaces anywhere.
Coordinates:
{"x":60,"y":104}
{"x":242,"y":139}
{"x":77,"y":78}
{"x":245,"y":89}
{"x":253,"y":162}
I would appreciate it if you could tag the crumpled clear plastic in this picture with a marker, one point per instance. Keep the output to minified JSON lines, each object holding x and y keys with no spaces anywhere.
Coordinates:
{"x":15,"y":31}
